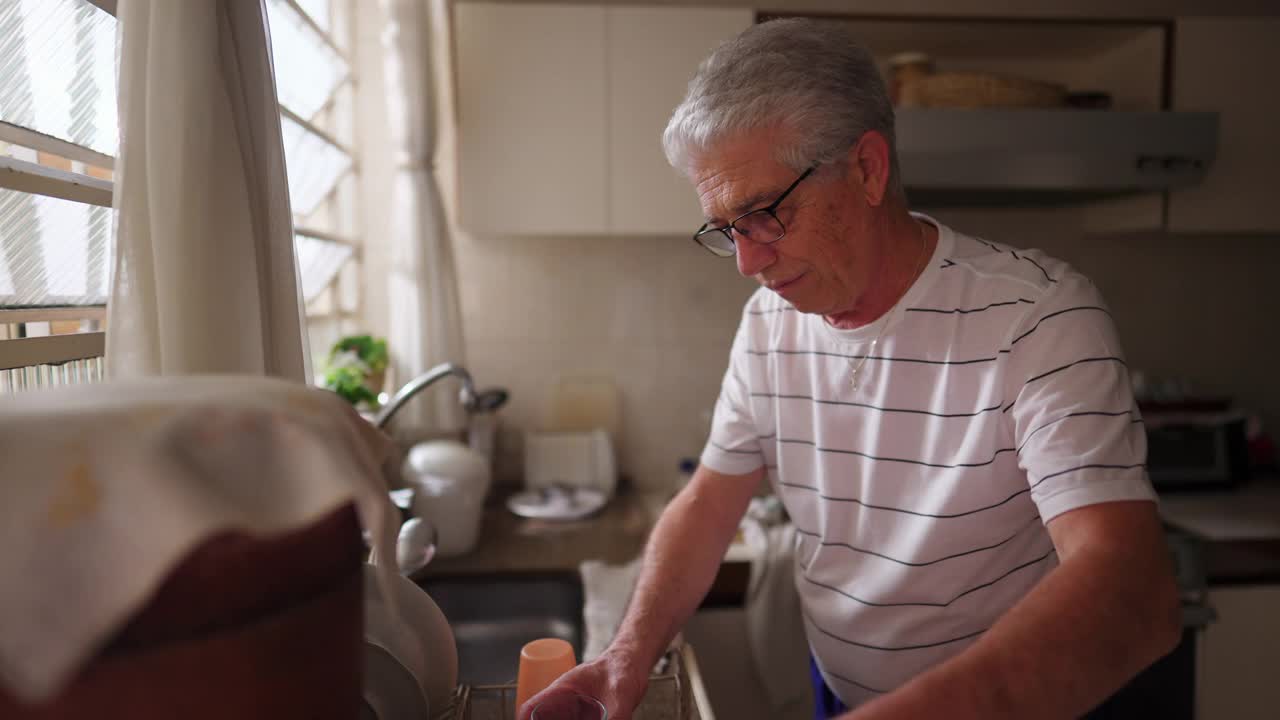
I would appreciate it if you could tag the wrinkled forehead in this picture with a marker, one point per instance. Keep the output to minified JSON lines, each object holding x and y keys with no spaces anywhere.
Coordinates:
{"x":738,"y":174}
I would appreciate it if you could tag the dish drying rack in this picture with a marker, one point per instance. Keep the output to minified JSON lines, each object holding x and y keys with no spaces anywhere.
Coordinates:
{"x":671,"y":695}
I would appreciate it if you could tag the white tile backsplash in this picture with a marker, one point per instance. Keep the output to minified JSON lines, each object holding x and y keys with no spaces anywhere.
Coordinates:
{"x":658,"y":315}
{"x":651,"y":313}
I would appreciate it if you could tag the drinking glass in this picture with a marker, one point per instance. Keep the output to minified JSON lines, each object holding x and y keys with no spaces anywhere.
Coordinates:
{"x":570,"y":706}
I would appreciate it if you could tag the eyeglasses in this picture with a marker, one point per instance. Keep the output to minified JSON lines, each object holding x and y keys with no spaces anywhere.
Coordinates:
{"x":759,"y":226}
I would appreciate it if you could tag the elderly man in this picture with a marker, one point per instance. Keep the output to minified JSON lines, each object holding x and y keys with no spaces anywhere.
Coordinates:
{"x":948,"y":421}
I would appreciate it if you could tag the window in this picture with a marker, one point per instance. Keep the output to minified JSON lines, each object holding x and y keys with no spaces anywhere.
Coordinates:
{"x":58,"y":139}
{"x":311,"y":44}
{"x":57,"y":146}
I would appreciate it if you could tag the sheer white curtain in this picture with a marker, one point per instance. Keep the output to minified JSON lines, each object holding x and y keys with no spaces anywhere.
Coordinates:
{"x":205,"y":279}
{"x":426,"y":323}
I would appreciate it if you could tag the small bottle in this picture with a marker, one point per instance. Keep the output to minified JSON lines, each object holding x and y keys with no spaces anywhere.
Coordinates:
{"x":687,"y":466}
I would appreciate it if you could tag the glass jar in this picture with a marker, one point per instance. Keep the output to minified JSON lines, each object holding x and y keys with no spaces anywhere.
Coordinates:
{"x":905,"y":71}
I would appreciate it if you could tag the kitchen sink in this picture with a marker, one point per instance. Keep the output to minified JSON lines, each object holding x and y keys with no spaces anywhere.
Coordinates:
{"x":493,"y":616}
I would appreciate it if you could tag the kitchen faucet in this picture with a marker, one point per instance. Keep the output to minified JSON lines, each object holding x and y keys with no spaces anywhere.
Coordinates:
{"x":418,"y":537}
{"x":485,"y":401}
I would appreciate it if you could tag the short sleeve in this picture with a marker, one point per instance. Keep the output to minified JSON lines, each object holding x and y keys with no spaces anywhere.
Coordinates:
{"x":734,"y":445}
{"x":1078,"y":431}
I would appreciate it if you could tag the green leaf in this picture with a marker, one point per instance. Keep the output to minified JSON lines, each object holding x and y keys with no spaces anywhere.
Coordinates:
{"x":372,"y":351}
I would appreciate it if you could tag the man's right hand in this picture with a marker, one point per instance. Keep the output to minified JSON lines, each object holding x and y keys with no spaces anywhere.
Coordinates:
{"x":681,"y":559}
{"x":611,"y":678}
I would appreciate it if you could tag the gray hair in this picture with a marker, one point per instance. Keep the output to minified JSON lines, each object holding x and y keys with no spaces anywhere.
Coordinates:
{"x":807,"y":76}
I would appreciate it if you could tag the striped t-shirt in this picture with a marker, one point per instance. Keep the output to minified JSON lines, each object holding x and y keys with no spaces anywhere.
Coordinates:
{"x":996,"y":399}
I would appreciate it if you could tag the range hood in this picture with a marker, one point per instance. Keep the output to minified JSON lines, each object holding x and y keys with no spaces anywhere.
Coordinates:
{"x":952,"y":157}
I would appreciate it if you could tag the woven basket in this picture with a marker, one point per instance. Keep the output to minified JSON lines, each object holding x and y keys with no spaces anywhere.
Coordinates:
{"x":981,"y":90}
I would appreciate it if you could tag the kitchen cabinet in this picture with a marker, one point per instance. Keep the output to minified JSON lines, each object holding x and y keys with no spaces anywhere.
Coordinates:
{"x":726,"y":663}
{"x":561,"y":110}
{"x":652,"y":54}
{"x":1228,"y":65}
{"x":948,"y":164}
{"x":531,"y":116}
{"x":1240,"y":654}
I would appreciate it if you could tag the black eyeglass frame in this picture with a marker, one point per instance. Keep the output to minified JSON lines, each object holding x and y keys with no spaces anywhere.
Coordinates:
{"x":728,"y":230}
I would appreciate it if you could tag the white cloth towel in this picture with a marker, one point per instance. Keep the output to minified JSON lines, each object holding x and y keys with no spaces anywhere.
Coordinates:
{"x":606,"y":590}
{"x":105,"y":488}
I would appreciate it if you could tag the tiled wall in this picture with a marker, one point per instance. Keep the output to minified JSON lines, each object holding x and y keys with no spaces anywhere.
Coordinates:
{"x":655,"y":315}
{"x":1200,"y":307}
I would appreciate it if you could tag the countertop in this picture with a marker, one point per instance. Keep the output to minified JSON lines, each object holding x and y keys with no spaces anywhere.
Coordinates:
{"x":1238,"y":530}
{"x":615,"y":536}
{"x":1251,"y":512}
{"x":508,"y":543}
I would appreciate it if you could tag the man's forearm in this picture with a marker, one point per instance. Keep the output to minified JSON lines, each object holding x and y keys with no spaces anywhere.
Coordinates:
{"x":1086,"y":629}
{"x":684,"y":551}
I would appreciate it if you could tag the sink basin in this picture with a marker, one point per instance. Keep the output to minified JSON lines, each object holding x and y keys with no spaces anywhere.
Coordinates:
{"x":493,"y":616}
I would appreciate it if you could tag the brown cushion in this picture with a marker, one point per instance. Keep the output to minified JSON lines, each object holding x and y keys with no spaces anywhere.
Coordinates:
{"x":233,"y":577}
{"x":244,"y":627}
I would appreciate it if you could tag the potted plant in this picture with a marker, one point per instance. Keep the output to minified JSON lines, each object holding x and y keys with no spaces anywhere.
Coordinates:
{"x":356,"y":369}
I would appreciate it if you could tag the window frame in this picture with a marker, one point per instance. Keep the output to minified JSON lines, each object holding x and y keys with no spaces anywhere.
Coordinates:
{"x":42,"y":180}
{"x":45,"y":357}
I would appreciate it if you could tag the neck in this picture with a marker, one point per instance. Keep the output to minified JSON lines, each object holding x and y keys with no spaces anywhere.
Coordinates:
{"x":905,"y":249}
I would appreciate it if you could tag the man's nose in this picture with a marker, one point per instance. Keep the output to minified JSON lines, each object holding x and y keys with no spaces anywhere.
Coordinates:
{"x":753,"y":257}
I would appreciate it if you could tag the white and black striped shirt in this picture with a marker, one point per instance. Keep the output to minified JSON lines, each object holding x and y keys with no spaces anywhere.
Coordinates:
{"x":996,"y":399}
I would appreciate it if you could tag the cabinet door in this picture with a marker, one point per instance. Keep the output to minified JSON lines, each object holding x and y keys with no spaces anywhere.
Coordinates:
{"x":728,"y":669}
{"x":1240,"y":658}
{"x":1228,"y":66}
{"x":531,"y":118}
{"x":653,"y":53}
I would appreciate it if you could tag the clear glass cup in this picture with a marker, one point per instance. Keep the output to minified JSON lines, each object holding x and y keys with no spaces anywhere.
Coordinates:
{"x":570,"y":706}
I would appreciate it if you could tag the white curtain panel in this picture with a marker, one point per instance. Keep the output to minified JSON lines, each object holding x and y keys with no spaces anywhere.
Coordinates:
{"x":426,"y":323}
{"x":205,"y":279}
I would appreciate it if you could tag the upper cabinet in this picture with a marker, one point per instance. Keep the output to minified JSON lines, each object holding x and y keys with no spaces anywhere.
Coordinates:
{"x":1228,"y":66}
{"x":653,"y":53}
{"x":959,"y":147}
{"x":561,"y":111}
{"x":532,"y":120}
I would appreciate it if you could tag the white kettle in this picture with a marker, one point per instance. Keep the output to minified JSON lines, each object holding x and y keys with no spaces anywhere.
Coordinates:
{"x":450,"y":482}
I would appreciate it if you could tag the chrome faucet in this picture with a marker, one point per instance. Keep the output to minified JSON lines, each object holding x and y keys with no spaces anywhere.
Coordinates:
{"x":417,"y":541}
{"x":486,"y":401}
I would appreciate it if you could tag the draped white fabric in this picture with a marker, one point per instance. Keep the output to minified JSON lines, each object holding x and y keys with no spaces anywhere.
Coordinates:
{"x":426,"y":323}
{"x":109,"y":487}
{"x":205,"y":279}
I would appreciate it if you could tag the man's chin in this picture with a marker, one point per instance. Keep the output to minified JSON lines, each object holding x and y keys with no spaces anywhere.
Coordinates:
{"x":803,"y":305}
{"x":803,"y":299}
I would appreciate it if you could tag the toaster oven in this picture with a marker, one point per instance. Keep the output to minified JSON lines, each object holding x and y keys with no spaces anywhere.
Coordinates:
{"x":1196,"y":450}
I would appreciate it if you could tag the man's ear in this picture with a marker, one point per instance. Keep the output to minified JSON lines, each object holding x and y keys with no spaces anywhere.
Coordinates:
{"x":868,"y":163}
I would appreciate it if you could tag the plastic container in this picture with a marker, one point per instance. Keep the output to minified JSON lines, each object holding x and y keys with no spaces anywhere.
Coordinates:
{"x":450,"y":482}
